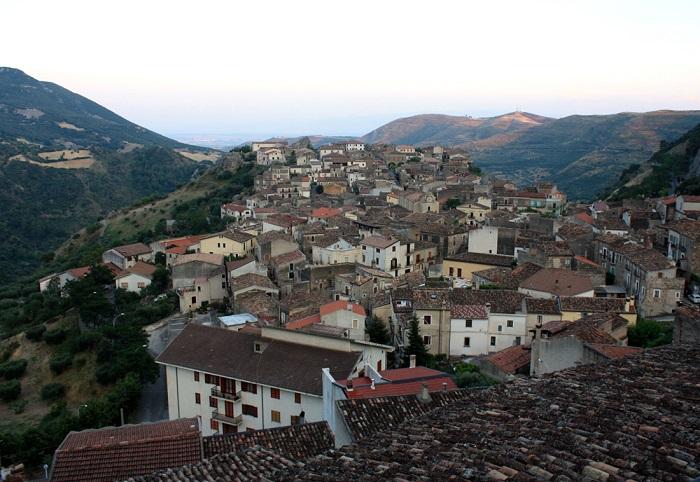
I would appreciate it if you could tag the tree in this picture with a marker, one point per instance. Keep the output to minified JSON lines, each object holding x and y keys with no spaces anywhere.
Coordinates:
{"x":319,"y":189}
{"x":452,"y":203}
{"x":377,"y":331}
{"x":650,"y":333}
{"x":415,"y":344}
{"x":160,"y":258}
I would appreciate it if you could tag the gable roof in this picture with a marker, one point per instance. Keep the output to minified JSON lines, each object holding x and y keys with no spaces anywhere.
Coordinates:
{"x":623,"y":419}
{"x":399,"y":381}
{"x":482,"y":258}
{"x":341,"y":305}
{"x":113,"y":453}
{"x":217,"y":259}
{"x":294,"y":441}
{"x":248,"y":280}
{"x":562,"y":282}
{"x":287,"y":258}
{"x":145,"y":270}
{"x":511,"y":359}
{"x":379,"y":241}
{"x":238,"y":263}
{"x":231,"y":354}
{"x":134,"y":249}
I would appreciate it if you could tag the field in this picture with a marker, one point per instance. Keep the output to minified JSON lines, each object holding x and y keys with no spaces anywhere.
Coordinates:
{"x":199,"y":156}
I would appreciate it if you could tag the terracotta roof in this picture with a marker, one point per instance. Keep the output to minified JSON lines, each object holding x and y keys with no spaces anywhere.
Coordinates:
{"x":592,"y":305}
{"x":254,"y":463}
{"x":469,"y":312}
{"x":114,"y":453}
{"x":542,"y":306}
{"x":300,"y":323}
{"x":217,"y":259}
{"x":511,"y":359}
{"x":228,"y":353}
{"x":379,"y":241}
{"x":134,"y":249}
{"x":248,"y":280}
{"x":234,"y":207}
{"x":140,"y":268}
{"x":271,"y":236}
{"x":625,"y":419}
{"x":237,"y":263}
{"x":501,"y":301}
{"x":562,"y":282}
{"x":400,"y":381}
{"x":614,"y":352}
{"x":340,"y":305}
{"x":287,"y":258}
{"x":586,"y":218}
{"x":325,"y":212}
{"x":296,"y":442}
{"x":482,"y":258}
{"x":79,"y":272}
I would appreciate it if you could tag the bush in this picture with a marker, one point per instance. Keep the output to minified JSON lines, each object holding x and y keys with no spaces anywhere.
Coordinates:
{"x":53,"y":391}
{"x":35,"y":333}
{"x":84,"y":341}
{"x":56,"y":336}
{"x":60,"y":363}
{"x":10,"y":390}
{"x":13,"y":369}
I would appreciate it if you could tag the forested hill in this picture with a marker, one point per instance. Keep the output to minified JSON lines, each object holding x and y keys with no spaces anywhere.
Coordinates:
{"x":66,"y":161}
{"x":674,"y":168}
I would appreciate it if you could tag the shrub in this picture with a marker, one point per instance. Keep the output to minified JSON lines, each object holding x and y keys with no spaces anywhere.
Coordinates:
{"x":60,"y":363}
{"x":84,"y":341}
{"x":10,"y":390}
{"x":35,"y":333}
{"x":56,"y":336}
{"x":18,"y":406}
{"x":13,"y":369}
{"x":53,"y":391}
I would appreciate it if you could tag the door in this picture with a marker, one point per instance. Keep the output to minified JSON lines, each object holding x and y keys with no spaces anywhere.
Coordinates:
{"x":229,"y":409}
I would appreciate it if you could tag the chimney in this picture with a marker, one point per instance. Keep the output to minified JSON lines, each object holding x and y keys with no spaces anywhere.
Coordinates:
{"x":412,"y":361}
{"x":424,"y":395}
{"x":372,"y":385}
{"x":444,"y":386}
{"x":348,"y":386}
{"x":488,"y":308}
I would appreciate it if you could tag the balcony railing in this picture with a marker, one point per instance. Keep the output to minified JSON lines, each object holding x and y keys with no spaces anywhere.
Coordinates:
{"x":226,"y":419}
{"x":234,"y":397}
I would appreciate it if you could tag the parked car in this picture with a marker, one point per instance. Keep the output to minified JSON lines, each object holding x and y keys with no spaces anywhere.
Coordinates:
{"x":694,"y":297}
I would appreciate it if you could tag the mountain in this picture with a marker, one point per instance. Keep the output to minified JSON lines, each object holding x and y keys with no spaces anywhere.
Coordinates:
{"x":582,"y":154}
{"x":427,"y":129}
{"x":674,"y":168}
{"x":65,"y":161}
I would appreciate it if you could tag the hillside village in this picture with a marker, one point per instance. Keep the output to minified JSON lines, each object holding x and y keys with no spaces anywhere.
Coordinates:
{"x":357,"y":273}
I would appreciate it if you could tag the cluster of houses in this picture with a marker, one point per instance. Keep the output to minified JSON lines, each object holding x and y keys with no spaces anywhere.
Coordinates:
{"x":516,"y":281}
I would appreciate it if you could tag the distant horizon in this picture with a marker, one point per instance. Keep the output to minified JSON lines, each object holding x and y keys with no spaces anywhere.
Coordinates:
{"x":210,"y":68}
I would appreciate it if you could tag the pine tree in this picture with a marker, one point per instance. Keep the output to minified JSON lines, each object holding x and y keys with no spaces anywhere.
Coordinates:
{"x":377,"y":331}
{"x":415,"y":344}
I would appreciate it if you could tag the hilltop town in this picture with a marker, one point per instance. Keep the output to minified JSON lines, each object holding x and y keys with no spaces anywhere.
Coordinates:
{"x":360,"y":286}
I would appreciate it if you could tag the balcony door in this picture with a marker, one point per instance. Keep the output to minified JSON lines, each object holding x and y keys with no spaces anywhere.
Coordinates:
{"x":228,"y":407}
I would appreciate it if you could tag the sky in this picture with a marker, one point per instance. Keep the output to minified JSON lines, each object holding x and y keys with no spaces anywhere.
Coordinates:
{"x":262,"y":68}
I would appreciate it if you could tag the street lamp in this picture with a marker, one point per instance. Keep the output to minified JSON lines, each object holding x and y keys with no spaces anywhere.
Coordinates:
{"x":114,"y":320}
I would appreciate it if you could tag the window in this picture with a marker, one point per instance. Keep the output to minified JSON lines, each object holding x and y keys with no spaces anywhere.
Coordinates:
{"x":212,"y":379}
{"x":249,"y":387}
{"x":197,"y":398}
{"x":275,"y":393}
{"x":661,"y":275}
{"x":467,"y":323}
{"x":214,"y":425}
{"x":509,"y":323}
{"x":427,"y":320}
{"x":657,"y":293}
{"x":539,"y":318}
{"x":427,"y":339}
{"x":467,"y":341}
{"x":500,"y":327}
{"x":194,"y":300}
{"x":196,"y":376}
{"x":459,"y":272}
{"x":678,"y":295}
{"x":125,"y":286}
{"x":297,"y":398}
{"x":518,"y":340}
{"x":275,"y":416}
{"x":249,"y":410}
{"x":213,"y":402}
{"x":493,"y":341}
{"x":377,"y":250}
{"x":452,"y":271}
{"x":355,"y":324}
{"x":393,"y":248}
{"x":294,"y":420}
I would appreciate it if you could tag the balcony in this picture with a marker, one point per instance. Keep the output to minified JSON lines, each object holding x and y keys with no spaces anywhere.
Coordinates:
{"x":237,"y":420}
{"x":234,"y":397}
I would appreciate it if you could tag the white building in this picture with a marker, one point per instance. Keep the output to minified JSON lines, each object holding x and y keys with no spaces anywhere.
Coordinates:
{"x":483,"y":240}
{"x":339,"y":251}
{"x":476,"y":330}
{"x":346,"y":315}
{"x":386,"y":254}
{"x":136,"y":278}
{"x":234,"y":381}
{"x":355,"y":146}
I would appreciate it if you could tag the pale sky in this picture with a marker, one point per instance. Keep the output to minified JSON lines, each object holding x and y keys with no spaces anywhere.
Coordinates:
{"x":264,"y":67}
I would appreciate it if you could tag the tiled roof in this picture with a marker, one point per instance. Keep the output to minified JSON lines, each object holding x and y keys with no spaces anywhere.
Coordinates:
{"x":237,"y":263}
{"x":431,"y":298}
{"x":325,"y":212}
{"x":271,"y":236}
{"x":117,"y":452}
{"x":562,"y":282}
{"x":217,"y":259}
{"x":334,"y":306}
{"x":501,"y":301}
{"x":400,"y":381}
{"x":542,"y":306}
{"x":571,"y":230}
{"x":469,"y":312}
{"x":627,"y":419}
{"x":254,"y":463}
{"x":248,"y":280}
{"x":379,"y":241}
{"x":287,"y":258}
{"x":482,"y":258}
{"x":614,"y":352}
{"x":231,"y":354}
{"x":132,"y":249}
{"x":367,"y":416}
{"x":592,"y":305}
{"x":296,"y":442}
{"x":511,"y":359}
{"x":143,"y":269}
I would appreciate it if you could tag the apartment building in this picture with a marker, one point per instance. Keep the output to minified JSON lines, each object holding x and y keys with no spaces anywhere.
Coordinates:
{"x":234,"y":381}
{"x":387,"y":254}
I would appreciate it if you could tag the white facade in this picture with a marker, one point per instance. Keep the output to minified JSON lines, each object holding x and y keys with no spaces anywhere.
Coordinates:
{"x":483,"y":240}
{"x":353,"y":322}
{"x":182,"y":402}
{"x":132,"y":282}
{"x":480,"y":337}
{"x":391,"y":259}
{"x":355,"y":146}
{"x":339,"y":252}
